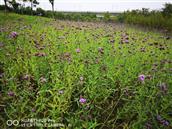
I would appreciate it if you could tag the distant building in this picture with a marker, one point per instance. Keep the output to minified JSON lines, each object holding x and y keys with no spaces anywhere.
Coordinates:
{"x":99,"y":15}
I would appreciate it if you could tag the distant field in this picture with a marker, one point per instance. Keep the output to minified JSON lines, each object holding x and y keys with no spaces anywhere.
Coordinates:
{"x":83,"y":75}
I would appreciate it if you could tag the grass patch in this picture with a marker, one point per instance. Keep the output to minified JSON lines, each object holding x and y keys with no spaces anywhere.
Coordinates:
{"x":84,"y":75}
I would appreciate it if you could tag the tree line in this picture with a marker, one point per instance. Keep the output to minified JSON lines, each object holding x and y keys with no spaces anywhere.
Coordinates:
{"x":160,"y":19}
{"x":144,"y":17}
{"x":15,"y":5}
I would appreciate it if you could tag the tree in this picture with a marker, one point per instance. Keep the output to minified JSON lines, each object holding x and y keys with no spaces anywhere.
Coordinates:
{"x":145,"y":11}
{"x":33,"y":3}
{"x":107,"y":16}
{"x":5,"y":1}
{"x":14,"y":4}
{"x":52,"y":4}
{"x":167,"y":10}
{"x":6,"y":5}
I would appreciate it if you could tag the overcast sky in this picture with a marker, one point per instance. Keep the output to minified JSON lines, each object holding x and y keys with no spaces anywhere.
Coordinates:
{"x":101,"y":5}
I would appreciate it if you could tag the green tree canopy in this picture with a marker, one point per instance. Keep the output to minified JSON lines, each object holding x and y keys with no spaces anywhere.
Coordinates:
{"x":167,"y":10}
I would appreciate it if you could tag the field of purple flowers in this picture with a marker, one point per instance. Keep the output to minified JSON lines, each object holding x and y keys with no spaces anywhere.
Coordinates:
{"x":84,"y":75}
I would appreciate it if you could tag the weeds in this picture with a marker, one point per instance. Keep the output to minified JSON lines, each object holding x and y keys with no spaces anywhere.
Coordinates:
{"x":84,"y":75}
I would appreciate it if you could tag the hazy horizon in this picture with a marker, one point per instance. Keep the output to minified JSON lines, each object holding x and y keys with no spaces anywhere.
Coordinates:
{"x":99,"y":5}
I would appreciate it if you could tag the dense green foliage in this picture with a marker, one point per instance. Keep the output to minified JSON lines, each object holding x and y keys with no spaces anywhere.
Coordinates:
{"x":84,"y":75}
{"x":157,"y":19}
{"x":167,"y":10}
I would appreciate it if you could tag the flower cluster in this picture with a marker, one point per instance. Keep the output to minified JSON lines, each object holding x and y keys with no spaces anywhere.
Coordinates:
{"x":141,"y":77}
{"x":78,"y":50}
{"x":13,"y":34}
{"x":162,"y":121}
{"x":82,"y":100}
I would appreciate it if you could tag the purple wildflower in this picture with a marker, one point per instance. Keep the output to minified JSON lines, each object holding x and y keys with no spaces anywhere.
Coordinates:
{"x":78,"y":50}
{"x":82,"y":100}
{"x":148,"y":126}
{"x":33,"y":110}
{"x":141,"y":77}
{"x":26,"y":77}
{"x":162,"y":121}
{"x":11,"y":93}
{"x":13,"y":34}
{"x":158,"y":117}
{"x":126,"y":41}
{"x":66,"y":56}
{"x":101,"y":50}
{"x":165,"y":122}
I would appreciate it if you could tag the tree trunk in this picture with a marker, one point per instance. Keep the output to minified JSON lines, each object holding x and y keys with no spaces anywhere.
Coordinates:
{"x":53,"y":10}
{"x":53,"y":7}
{"x":31,"y":7}
{"x":6,"y":7}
